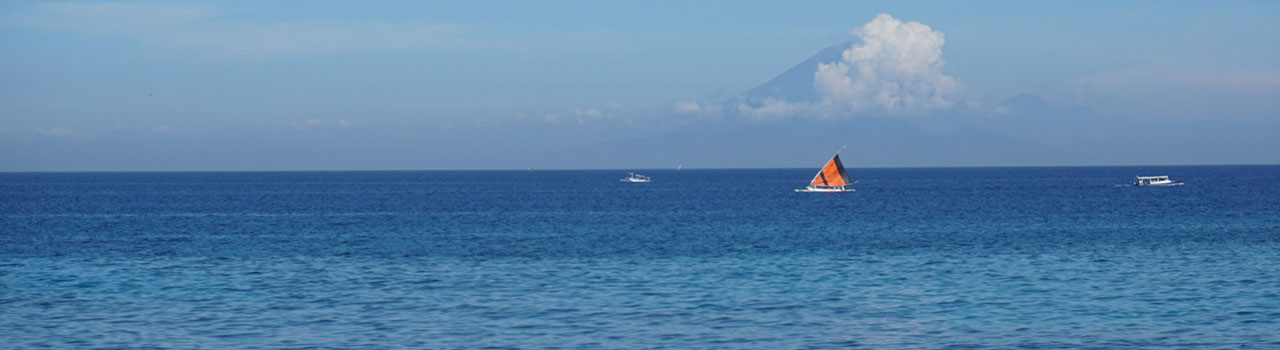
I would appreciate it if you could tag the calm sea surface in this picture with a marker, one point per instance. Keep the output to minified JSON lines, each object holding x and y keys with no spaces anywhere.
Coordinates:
{"x":697,"y":259}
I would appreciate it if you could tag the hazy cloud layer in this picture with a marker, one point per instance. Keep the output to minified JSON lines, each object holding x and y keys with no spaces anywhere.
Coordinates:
{"x":1156,"y":92}
{"x":610,"y":112}
{"x":699,"y":109}
{"x":199,"y":30}
{"x":54,"y":132}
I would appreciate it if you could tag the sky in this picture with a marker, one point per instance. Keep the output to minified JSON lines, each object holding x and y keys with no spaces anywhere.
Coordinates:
{"x":335,"y":85}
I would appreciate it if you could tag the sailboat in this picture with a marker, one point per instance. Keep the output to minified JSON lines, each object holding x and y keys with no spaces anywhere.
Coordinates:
{"x":832,"y":177}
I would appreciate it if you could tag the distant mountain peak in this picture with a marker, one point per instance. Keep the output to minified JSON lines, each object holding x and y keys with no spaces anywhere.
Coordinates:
{"x":796,"y":84}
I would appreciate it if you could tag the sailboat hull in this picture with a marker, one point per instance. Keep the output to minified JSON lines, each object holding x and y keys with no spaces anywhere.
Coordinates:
{"x":824,"y":189}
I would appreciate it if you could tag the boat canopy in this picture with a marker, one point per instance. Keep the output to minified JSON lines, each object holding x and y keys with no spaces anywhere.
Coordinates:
{"x":1153,"y":178}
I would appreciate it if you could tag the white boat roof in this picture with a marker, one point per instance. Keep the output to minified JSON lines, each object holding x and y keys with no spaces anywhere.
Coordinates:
{"x":1152,"y":177}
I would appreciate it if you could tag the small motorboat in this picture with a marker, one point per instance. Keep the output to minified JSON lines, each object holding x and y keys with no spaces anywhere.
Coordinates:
{"x":1156,"y":181}
{"x":633,"y":177}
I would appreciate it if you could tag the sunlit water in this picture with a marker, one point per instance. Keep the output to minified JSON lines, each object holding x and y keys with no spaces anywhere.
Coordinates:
{"x":714,"y":259}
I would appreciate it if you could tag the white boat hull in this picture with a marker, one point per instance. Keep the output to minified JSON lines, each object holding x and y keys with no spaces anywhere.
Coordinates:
{"x":824,"y":189}
{"x":1156,"y":181}
{"x":633,"y":177}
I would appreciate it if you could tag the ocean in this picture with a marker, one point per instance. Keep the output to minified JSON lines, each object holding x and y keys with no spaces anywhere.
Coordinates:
{"x":1021,"y":257}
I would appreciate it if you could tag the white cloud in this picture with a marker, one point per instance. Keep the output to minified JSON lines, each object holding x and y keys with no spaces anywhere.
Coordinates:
{"x":589,"y":113}
{"x":1002,"y":110}
{"x":773,"y":108}
{"x":892,"y":68}
{"x":691,"y":106}
{"x":700,"y":109}
{"x":608,"y":112}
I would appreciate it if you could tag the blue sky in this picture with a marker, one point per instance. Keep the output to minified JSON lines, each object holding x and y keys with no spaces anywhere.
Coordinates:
{"x":249,"y":85}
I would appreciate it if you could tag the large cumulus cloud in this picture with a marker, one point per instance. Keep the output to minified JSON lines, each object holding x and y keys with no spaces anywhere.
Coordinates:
{"x":891,"y":68}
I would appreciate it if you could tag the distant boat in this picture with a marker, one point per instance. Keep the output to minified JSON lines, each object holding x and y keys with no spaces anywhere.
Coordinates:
{"x":1156,"y":181}
{"x":633,"y":177}
{"x":679,"y":166}
{"x":832,"y":177}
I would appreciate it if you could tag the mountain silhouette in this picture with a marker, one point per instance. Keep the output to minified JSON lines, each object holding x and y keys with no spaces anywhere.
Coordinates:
{"x":1023,"y":130}
{"x":796,"y":84}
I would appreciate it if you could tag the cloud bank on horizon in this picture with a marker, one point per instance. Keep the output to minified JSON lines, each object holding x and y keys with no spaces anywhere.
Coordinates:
{"x":284,"y":88}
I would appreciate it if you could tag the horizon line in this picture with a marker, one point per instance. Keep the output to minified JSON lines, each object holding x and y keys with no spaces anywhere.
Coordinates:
{"x":622,"y":169}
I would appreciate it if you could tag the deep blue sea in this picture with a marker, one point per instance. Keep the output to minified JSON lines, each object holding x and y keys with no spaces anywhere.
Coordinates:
{"x":1054,"y":257}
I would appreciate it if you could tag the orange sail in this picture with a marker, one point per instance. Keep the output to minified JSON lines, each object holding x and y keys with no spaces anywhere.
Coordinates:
{"x":832,"y":174}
